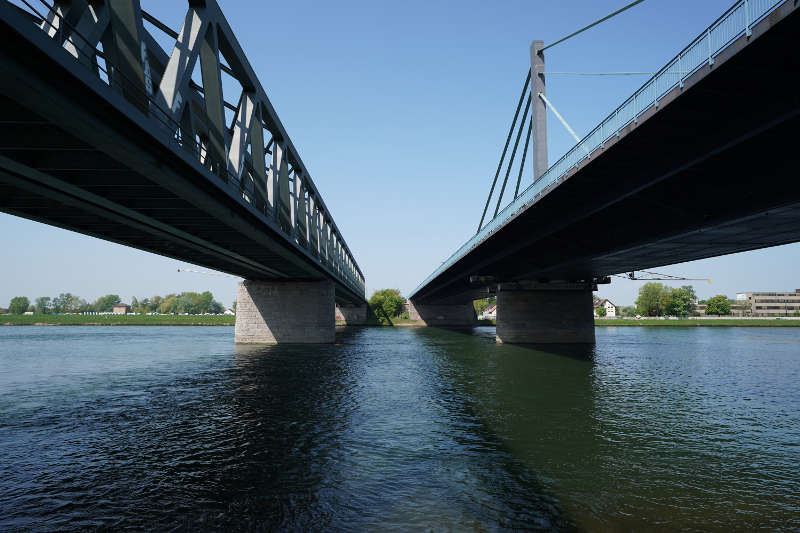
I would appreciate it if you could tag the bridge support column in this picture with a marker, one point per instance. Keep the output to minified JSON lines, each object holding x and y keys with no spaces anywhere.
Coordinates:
{"x":545,"y":313}
{"x":352,"y":315}
{"x":279,"y":312}
{"x":453,"y":315}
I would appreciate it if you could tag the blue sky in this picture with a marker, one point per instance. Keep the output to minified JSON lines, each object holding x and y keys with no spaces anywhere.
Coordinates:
{"x":400,"y":111}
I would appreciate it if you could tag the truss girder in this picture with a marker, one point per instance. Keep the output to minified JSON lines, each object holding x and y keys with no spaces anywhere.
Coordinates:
{"x":110,"y":38}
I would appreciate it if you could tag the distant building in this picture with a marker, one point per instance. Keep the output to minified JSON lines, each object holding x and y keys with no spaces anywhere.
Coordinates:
{"x":769,"y":303}
{"x":490,"y":313}
{"x":121,"y":309}
{"x":232,"y":312}
{"x":3,"y":311}
{"x":611,"y":309}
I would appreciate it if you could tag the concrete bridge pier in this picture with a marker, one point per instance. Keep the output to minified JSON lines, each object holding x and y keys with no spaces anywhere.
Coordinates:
{"x":531,"y":312}
{"x":352,"y":315}
{"x":451,"y":315}
{"x":283,"y":312}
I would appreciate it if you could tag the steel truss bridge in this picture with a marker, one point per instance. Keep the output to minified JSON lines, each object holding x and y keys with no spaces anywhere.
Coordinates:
{"x":106,"y":133}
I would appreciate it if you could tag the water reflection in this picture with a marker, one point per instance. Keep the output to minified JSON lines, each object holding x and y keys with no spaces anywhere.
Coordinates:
{"x":397,"y":429}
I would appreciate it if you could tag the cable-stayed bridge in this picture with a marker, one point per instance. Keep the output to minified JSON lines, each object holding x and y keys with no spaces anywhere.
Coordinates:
{"x":106,"y":133}
{"x":701,"y":161}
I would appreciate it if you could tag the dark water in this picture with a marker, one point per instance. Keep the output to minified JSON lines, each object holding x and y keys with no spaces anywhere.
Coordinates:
{"x":399,"y":429}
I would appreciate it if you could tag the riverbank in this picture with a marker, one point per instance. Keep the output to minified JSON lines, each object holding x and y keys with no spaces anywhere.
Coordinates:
{"x":644,"y":322}
{"x":405,"y":322}
{"x":117,"y":320}
{"x":228,"y":320}
{"x":697,"y":323}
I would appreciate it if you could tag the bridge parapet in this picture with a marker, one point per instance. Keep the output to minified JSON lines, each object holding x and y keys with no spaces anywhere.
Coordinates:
{"x":248,"y":151}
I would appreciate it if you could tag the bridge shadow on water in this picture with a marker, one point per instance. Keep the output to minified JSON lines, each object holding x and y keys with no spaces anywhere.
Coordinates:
{"x":579,"y":351}
{"x":534,"y":403}
{"x":383,"y":430}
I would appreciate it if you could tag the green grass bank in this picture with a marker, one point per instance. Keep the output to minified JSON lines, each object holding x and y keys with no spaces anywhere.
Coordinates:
{"x":117,"y":320}
{"x":227,"y":320}
{"x":699,"y":323}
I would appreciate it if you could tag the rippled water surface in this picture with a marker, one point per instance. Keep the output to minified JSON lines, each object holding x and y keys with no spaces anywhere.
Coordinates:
{"x":399,"y":429}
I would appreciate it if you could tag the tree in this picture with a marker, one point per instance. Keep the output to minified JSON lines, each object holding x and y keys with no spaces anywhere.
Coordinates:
{"x":651,"y":299}
{"x":168,"y":305}
{"x":680,"y":302}
{"x":18,"y":305}
{"x":67,"y":303}
{"x":105,"y":304}
{"x":483,"y":304}
{"x":601,"y":311}
{"x":480,"y":305}
{"x":82,"y":306}
{"x":744,"y":307}
{"x":59,"y":302}
{"x":690,"y":290}
{"x":145,"y":305}
{"x":718,"y":305}
{"x":386,"y":304}
{"x":43,"y":304}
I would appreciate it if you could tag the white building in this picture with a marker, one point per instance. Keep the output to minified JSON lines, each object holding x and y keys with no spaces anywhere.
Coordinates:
{"x":611,"y":309}
{"x":489,"y":314}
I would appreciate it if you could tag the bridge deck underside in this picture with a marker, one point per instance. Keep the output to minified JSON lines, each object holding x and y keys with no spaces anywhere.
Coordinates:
{"x":87,"y":167}
{"x":713,"y":171}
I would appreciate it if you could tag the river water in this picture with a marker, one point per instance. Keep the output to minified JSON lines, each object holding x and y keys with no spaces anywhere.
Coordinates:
{"x":175,"y":428}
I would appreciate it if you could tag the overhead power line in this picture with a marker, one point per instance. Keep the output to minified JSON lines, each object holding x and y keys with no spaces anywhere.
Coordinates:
{"x":207,"y":272}
{"x":662,"y":277}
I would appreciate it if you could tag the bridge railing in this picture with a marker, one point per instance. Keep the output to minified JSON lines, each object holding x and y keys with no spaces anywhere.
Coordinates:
{"x":97,"y":35}
{"x":735,"y":22}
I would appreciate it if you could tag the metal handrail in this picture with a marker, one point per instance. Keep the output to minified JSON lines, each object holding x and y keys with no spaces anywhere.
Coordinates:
{"x":736,"y":21}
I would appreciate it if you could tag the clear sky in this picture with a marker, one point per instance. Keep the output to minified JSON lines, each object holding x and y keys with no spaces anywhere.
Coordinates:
{"x":400,"y":111}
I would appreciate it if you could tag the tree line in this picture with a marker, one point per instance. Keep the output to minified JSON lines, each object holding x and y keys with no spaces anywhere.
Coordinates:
{"x":657,"y":299}
{"x":192,"y":303}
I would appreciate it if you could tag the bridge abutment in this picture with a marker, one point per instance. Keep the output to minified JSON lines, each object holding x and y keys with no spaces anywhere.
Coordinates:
{"x":545,"y":313}
{"x":352,"y":315}
{"x":452,"y":315}
{"x":280,"y":312}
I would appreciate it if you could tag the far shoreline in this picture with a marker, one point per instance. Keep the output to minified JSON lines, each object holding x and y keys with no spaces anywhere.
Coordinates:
{"x":698,"y":322}
{"x":230,"y":320}
{"x":117,"y":320}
